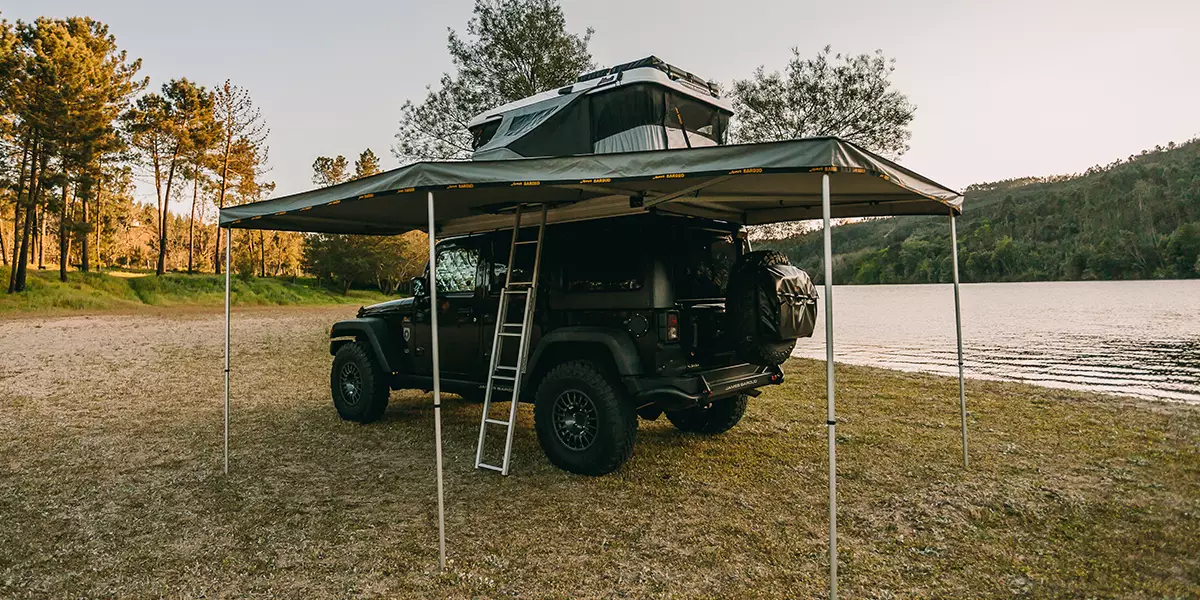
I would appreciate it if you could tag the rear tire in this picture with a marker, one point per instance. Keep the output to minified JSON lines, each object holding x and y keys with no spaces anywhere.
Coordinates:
{"x":718,"y":417}
{"x":584,"y":421}
{"x":359,"y":387}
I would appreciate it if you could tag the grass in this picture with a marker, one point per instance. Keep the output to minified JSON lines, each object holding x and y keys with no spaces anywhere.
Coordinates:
{"x":126,"y":290}
{"x":111,"y":485}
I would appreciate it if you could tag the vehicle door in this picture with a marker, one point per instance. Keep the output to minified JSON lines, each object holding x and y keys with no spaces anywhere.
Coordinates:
{"x":460,"y":294}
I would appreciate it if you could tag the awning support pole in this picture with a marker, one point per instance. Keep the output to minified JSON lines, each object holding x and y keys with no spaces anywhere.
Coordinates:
{"x":830,"y":402}
{"x":962,"y":386}
{"x":437,"y":384}
{"x":228,"y":245}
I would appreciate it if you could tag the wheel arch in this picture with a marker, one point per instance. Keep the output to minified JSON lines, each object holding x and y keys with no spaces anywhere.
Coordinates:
{"x":610,"y":347}
{"x":371,"y":331}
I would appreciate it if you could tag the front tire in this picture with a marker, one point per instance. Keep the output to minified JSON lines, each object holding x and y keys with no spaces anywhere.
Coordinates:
{"x":358,"y":385}
{"x":718,"y":417}
{"x":584,"y":421}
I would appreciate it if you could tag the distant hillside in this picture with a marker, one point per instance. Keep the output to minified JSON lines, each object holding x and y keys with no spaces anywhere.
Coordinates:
{"x":1132,"y":219}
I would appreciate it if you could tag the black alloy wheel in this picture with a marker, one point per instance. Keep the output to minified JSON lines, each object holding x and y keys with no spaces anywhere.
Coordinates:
{"x":350,"y":380}
{"x":576,"y":421}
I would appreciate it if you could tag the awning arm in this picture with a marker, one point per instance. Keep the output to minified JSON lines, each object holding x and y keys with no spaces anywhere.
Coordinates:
{"x":685,"y":191}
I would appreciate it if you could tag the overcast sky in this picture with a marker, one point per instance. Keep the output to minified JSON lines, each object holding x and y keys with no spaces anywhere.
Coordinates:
{"x":1003,"y":89}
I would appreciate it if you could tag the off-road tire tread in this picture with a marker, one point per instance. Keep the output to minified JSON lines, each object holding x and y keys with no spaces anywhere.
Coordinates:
{"x":718,"y":417}
{"x":375,"y":387}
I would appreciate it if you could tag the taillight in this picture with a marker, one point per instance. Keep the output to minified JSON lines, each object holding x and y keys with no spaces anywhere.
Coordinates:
{"x":672,"y":332}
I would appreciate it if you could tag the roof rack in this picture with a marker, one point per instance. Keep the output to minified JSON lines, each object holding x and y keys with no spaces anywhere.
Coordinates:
{"x":656,"y":63}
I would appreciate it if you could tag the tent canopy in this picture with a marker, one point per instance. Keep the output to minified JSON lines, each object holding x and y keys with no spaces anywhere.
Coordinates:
{"x":749,"y":184}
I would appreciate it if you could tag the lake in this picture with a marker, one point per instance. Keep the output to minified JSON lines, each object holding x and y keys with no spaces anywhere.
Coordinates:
{"x":1138,"y":338}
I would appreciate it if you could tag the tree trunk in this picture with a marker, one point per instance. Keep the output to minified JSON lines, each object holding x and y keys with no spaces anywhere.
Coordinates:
{"x":97,"y":221}
{"x":192,"y":222}
{"x":39,"y":233}
{"x":62,"y":231}
{"x":262,"y":254}
{"x":16,"y":237}
{"x":21,"y":268}
{"x":165,"y":215}
{"x":26,"y":150}
{"x":37,"y":167}
{"x":72,"y":214}
{"x":83,"y":216}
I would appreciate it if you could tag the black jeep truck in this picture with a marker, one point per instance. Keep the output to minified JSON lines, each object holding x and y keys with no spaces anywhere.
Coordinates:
{"x":635,"y":317}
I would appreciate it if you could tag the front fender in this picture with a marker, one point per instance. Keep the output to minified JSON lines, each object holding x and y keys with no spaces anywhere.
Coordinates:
{"x":617,"y":342}
{"x":374,"y":332}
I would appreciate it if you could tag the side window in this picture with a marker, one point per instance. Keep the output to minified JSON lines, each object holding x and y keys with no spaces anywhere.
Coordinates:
{"x":457,"y":265}
{"x":523,"y":262}
{"x":607,"y":259}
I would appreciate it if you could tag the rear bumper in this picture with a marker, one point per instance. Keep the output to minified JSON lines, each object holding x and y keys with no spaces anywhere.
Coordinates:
{"x":676,"y":393}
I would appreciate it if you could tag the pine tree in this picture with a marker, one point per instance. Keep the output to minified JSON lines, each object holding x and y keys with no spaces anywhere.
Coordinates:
{"x":366,"y":165}
{"x":166,"y":129}
{"x":240,"y":123}
{"x":329,"y":171}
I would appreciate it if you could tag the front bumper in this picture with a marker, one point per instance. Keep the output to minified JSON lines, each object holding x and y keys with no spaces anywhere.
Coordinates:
{"x":685,"y":391}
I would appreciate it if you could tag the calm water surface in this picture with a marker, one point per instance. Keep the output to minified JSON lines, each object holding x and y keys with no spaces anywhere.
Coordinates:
{"x":1139,"y":338}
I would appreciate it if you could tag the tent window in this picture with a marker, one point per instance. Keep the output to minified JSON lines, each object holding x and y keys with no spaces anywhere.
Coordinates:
{"x":521,"y":123}
{"x":625,"y":108}
{"x":699,"y":119}
{"x":482,"y":134}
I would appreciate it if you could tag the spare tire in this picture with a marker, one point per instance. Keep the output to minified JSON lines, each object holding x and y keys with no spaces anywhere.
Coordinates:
{"x":742,"y":308}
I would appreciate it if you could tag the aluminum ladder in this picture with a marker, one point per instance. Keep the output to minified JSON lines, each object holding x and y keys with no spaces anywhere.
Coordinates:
{"x":501,"y":374}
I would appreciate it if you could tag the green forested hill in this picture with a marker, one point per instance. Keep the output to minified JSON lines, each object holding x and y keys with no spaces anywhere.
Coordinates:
{"x":1133,"y":219}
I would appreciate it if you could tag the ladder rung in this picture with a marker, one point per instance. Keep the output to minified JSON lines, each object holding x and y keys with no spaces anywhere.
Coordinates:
{"x":517,"y":325}
{"x":497,"y":422}
{"x":527,"y":242}
{"x":509,"y":334}
{"x":506,"y":367}
{"x":503,"y":377}
{"x":520,"y":283}
{"x":517,"y":292}
{"x":492,"y":467}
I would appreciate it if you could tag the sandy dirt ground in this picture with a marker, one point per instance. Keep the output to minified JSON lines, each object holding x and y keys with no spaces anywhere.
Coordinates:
{"x":111,"y":484}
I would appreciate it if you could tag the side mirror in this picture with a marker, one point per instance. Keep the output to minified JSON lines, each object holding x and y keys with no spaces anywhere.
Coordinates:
{"x":419,"y":286}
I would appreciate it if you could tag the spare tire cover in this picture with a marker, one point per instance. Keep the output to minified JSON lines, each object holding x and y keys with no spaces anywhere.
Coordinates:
{"x":787,"y":303}
{"x":769,"y":305}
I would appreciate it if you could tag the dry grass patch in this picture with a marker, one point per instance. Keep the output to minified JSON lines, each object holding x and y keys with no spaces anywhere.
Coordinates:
{"x":110,"y":484}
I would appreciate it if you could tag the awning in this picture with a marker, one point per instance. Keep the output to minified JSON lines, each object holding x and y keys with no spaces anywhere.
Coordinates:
{"x":749,"y":184}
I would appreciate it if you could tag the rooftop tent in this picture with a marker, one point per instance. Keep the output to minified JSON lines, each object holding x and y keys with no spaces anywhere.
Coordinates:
{"x":748,"y":184}
{"x":642,"y":105}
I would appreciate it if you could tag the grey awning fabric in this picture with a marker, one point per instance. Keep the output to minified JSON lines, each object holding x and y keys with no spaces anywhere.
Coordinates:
{"x":750,"y":184}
